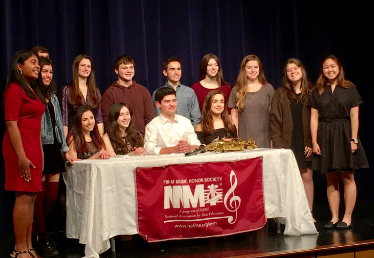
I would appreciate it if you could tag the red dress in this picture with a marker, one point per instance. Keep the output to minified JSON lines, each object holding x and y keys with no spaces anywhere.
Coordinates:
{"x":28,"y":114}
{"x":201,"y":93}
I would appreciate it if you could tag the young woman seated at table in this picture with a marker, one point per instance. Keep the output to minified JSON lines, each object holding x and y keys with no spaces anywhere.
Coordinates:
{"x":215,"y":119}
{"x":84,"y":138}
{"x":121,"y":135}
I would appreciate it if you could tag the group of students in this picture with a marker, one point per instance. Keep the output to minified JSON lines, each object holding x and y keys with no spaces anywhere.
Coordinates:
{"x":322,"y":120}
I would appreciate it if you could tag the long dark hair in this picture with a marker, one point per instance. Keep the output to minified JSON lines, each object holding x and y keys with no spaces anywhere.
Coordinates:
{"x":75,"y":96}
{"x":76,"y":134}
{"x":46,"y":91}
{"x":133,"y":137}
{"x":341,"y":81}
{"x":306,"y":86}
{"x":14,"y":75}
{"x":203,"y":67}
{"x":207,"y":116}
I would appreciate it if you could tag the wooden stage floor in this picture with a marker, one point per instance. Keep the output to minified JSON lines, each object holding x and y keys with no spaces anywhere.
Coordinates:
{"x":357,"y":242}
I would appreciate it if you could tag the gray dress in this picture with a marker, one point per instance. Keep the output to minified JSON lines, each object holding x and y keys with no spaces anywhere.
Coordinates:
{"x":254,"y":120}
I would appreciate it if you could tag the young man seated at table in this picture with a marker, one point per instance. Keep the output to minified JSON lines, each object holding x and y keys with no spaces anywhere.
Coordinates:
{"x":169,"y":132}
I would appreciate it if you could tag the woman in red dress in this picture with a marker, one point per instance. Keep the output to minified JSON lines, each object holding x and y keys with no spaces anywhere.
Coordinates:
{"x":210,"y":78}
{"x":22,"y":146}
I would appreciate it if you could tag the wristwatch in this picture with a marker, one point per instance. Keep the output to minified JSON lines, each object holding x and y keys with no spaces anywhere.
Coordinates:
{"x":354,"y":140}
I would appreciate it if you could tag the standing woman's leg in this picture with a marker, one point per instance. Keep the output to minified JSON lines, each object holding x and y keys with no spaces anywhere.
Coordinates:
{"x":38,"y":223}
{"x":22,"y":219}
{"x":307,"y":176}
{"x":51,"y":192}
{"x":350,"y":194}
{"x":333,"y":194}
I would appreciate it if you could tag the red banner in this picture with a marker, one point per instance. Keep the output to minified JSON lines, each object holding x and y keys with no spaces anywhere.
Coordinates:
{"x":200,"y":200}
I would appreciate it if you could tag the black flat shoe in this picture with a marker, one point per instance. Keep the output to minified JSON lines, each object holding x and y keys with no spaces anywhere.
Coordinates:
{"x":343,"y":225}
{"x":330,"y":225}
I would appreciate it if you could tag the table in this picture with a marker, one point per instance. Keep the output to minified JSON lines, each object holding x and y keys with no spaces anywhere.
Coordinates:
{"x":101,"y":200}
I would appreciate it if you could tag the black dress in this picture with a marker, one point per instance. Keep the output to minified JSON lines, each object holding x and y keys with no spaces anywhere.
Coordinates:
{"x":334,"y":130}
{"x":297,"y":141}
{"x":92,"y":150}
{"x":53,"y":161}
{"x":222,"y":132}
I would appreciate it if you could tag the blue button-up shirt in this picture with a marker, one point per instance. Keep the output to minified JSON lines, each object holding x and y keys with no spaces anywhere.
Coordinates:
{"x":188,"y":106}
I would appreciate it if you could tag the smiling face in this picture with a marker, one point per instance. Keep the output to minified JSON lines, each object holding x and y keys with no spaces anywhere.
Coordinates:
{"x":124,"y":117}
{"x":84,"y":68}
{"x":125,"y":72}
{"x":294,"y":73}
{"x":218,"y":104}
{"x":168,"y":105}
{"x":252,"y":70}
{"x":30,"y":68}
{"x":46,"y":74}
{"x":212,"y":68}
{"x":331,"y":71}
{"x":88,"y":121}
{"x":173,"y":72}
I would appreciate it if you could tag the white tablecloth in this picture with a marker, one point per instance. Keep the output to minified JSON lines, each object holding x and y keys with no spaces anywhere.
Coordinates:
{"x":101,"y":200}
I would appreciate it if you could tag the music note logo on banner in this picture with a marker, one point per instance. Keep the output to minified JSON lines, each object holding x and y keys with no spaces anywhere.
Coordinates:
{"x":231,"y":201}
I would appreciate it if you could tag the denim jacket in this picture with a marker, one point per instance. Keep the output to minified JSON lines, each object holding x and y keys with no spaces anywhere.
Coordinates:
{"x":47,"y":133}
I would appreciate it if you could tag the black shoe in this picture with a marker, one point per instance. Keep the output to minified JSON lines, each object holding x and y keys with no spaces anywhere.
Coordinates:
{"x":343,"y":225}
{"x":43,"y":246}
{"x":49,"y":249}
{"x":330,"y":225}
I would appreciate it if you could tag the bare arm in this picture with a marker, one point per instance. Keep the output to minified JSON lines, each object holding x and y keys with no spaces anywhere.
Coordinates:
{"x":65,"y":128}
{"x":314,"y":116}
{"x":181,"y":147}
{"x":72,"y":151}
{"x":354,"y":126}
{"x":235,"y":118}
{"x":168,"y":150}
{"x":15,"y":139}
{"x":108,"y":145}
{"x":101,"y":154}
{"x":100,"y":126}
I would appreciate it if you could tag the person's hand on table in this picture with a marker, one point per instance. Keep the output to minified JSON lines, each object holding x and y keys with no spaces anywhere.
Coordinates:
{"x":182,"y":147}
{"x":103,"y":154}
{"x":69,"y":158}
{"x":137,"y":151}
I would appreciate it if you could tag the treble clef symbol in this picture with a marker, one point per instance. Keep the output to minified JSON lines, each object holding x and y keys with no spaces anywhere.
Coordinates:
{"x":234,"y":201}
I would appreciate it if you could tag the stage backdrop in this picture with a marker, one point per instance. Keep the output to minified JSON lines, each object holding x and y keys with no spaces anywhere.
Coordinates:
{"x":151,"y":31}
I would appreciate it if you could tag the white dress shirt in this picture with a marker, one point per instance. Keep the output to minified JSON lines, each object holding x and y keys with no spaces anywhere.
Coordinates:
{"x":161,"y":132}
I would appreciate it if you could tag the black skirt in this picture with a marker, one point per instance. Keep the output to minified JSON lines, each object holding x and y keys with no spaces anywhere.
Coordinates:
{"x":53,"y":160}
